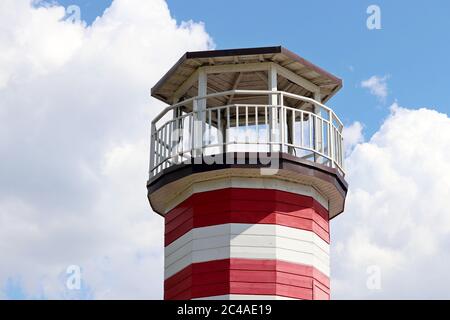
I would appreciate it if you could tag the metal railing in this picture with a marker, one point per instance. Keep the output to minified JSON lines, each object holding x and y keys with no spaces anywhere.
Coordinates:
{"x":177,"y":136}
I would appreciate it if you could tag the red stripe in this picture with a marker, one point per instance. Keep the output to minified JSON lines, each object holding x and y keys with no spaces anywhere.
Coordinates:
{"x":240,"y":205}
{"x":320,"y":291}
{"x":247,"y":276}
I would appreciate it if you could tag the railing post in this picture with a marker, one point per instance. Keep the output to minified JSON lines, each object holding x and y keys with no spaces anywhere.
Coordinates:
{"x":341,"y":152}
{"x":221,"y":129}
{"x":332,"y":140}
{"x":282,"y":122}
{"x":152,"y":148}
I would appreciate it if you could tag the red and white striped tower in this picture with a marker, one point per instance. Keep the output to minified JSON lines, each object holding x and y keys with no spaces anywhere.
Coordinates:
{"x":246,"y":169}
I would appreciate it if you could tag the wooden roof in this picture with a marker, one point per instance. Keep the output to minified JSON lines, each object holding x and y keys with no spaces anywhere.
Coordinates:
{"x":191,"y":61}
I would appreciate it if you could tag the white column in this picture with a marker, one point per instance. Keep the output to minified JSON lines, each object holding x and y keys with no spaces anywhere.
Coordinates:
{"x":176,"y":133}
{"x":318,"y":98}
{"x":273,"y":101}
{"x":272,"y":84}
{"x":318,"y":125}
{"x":199,"y":107}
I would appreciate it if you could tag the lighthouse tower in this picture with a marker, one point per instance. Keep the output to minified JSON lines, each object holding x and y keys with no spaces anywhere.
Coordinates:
{"x":246,"y":168}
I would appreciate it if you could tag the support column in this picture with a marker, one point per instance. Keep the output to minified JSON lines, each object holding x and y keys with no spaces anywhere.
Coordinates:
{"x":318,"y":143}
{"x":199,"y":107}
{"x":273,"y":101}
{"x":177,"y":133}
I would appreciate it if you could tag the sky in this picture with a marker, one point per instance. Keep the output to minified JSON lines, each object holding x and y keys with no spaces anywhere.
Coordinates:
{"x":412,"y":43}
{"x":75,"y":113}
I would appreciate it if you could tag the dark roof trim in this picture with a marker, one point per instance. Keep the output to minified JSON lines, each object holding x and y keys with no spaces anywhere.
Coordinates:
{"x":233,"y":52}
{"x":286,"y":161}
{"x":165,"y":77}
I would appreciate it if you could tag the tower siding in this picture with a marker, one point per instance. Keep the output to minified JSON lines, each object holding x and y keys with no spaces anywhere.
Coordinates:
{"x":246,"y":242}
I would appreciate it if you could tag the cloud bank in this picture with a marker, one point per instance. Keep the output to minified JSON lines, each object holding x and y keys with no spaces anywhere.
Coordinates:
{"x":397,"y":220}
{"x":353,"y":135}
{"x":75,"y":113}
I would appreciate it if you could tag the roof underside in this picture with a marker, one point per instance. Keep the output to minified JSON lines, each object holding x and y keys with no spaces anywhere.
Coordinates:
{"x":219,"y":82}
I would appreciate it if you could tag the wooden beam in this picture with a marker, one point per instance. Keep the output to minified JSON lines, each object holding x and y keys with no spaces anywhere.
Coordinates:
{"x":247,"y":67}
{"x":235,"y":85}
{"x":299,"y":80}
{"x":288,"y":87}
{"x":186,"y":85}
{"x":262,"y":77}
{"x":285,"y":64}
{"x":214,"y":89}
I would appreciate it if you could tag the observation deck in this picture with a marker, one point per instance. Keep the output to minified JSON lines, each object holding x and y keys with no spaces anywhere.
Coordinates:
{"x":246,"y":102}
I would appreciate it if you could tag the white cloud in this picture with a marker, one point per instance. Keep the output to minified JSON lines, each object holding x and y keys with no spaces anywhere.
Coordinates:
{"x":75,"y":112}
{"x":396,"y":214}
{"x":377,"y":86}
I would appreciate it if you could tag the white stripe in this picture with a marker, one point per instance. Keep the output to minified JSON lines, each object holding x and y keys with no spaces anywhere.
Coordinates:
{"x":244,"y":297}
{"x":251,"y":183}
{"x":252,"y":241}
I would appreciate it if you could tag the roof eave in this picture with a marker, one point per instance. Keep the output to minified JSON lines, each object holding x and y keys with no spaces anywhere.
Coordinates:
{"x":242,"y":52}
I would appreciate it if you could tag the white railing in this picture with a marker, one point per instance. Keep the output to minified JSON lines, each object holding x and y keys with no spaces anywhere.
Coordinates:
{"x":178,"y":136}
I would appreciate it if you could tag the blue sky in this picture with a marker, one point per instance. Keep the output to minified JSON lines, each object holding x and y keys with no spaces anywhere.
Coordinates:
{"x":412,"y":48}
